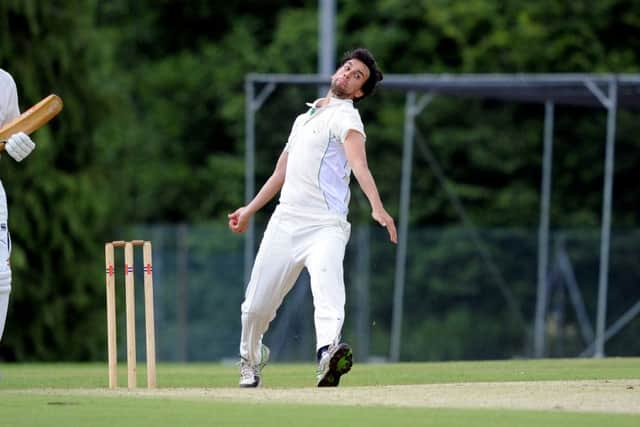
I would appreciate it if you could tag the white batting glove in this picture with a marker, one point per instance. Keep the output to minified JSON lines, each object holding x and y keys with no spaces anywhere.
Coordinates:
{"x":19,"y":146}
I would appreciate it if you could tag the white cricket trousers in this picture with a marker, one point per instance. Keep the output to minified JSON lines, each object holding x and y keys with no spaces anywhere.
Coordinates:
{"x":5,"y":270}
{"x":294,"y":240}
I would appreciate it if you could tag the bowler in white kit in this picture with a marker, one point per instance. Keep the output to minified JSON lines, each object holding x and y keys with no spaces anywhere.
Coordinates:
{"x":18,"y":146}
{"x":309,"y":226}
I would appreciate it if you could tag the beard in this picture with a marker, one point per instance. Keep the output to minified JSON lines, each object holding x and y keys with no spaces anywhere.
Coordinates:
{"x":337,"y":91}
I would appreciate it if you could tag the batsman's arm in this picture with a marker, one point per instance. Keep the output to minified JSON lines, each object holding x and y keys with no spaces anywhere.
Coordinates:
{"x":32,"y":119}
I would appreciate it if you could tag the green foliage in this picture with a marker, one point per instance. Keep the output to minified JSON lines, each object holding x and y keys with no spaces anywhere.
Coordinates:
{"x":59,"y":203}
{"x":153,"y":128}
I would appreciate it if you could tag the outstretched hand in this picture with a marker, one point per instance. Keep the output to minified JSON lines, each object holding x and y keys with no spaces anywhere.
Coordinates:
{"x":386,"y":220}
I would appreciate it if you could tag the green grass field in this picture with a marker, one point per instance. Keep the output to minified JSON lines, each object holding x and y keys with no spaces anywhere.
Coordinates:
{"x":76,"y":395}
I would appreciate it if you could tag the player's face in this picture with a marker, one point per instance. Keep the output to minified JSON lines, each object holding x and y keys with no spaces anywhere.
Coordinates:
{"x":347,"y":81}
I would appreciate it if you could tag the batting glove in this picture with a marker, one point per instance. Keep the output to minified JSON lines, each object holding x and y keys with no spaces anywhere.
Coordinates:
{"x":19,"y":146}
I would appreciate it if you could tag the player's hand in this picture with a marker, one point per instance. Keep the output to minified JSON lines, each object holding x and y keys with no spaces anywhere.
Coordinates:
{"x":239,"y":220}
{"x":385,"y":220}
{"x":19,"y":146}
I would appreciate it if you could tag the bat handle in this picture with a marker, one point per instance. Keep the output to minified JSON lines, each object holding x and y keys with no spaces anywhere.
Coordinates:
{"x":2,"y":144}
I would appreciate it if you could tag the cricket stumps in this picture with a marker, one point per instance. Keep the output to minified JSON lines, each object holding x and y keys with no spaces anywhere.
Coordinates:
{"x":109,"y":251}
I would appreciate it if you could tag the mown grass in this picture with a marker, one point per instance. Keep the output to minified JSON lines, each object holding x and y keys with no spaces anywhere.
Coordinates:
{"x":302,"y":375}
{"x":19,"y":407}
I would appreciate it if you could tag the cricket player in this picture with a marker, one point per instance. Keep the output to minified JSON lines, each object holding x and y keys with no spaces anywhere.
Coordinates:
{"x":309,"y":227}
{"x":18,"y":146}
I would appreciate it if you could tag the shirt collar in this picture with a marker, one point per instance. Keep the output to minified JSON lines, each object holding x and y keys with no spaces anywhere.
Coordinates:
{"x":333,"y":102}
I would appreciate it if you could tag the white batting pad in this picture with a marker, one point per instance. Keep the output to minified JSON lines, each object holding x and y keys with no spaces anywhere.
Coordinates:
{"x":5,"y":289}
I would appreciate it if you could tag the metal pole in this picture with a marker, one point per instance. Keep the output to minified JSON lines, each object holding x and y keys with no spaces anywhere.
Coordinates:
{"x":362,"y":284}
{"x":326,"y":41}
{"x":574,"y":292}
{"x":249,"y":180}
{"x":401,"y":253}
{"x":182,"y":292}
{"x":252,"y":104}
{"x":617,"y":326}
{"x":612,"y":106}
{"x":543,"y":231}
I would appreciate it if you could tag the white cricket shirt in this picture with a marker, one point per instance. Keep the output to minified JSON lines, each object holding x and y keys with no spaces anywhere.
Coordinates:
{"x":318,"y":174}
{"x":9,"y":109}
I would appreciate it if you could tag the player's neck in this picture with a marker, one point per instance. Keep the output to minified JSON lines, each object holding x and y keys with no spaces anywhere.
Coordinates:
{"x":323,"y":102}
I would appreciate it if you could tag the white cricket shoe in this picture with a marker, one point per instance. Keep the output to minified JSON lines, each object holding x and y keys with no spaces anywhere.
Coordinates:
{"x":334,"y":363}
{"x":251,"y":375}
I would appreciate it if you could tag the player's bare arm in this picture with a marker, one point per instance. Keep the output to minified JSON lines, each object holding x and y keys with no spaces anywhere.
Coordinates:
{"x":355,"y":151}
{"x":239,"y":219}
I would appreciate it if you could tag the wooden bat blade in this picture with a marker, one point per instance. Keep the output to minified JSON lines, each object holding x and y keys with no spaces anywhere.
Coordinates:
{"x":32,"y":119}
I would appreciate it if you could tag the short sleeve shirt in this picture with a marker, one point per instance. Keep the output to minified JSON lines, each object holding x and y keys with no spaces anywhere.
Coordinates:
{"x":318,"y":173}
{"x":9,"y":109}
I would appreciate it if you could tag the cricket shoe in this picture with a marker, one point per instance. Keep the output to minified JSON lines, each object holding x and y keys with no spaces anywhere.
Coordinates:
{"x":334,"y":363}
{"x":251,"y":375}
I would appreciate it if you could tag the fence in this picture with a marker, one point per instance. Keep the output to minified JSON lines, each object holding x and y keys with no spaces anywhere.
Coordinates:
{"x":459,"y":303}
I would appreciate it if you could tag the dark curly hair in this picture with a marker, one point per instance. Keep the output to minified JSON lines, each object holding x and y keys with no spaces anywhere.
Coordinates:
{"x":375,"y":75}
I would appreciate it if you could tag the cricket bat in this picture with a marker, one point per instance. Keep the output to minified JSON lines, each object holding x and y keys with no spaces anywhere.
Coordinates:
{"x":32,"y":119}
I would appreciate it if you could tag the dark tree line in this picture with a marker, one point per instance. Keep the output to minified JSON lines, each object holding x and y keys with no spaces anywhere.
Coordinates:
{"x":153,"y":126}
